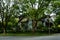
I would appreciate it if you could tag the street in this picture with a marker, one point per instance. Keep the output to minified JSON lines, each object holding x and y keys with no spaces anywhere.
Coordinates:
{"x":30,"y":37}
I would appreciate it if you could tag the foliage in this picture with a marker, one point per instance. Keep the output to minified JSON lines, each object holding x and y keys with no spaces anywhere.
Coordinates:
{"x":11,"y":10}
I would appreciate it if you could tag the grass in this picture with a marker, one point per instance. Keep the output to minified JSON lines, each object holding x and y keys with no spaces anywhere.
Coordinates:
{"x":24,"y":34}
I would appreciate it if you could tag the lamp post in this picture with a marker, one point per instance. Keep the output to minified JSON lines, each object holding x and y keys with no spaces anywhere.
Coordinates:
{"x":48,"y":19}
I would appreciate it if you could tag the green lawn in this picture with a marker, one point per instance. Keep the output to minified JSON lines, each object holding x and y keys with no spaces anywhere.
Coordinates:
{"x":24,"y":34}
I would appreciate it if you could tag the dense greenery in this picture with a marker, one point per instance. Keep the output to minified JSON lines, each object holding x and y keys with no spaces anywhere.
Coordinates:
{"x":29,"y":16}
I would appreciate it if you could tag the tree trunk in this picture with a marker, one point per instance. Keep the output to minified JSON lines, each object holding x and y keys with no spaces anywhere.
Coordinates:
{"x":2,"y":17}
{"x":34,"y":25}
